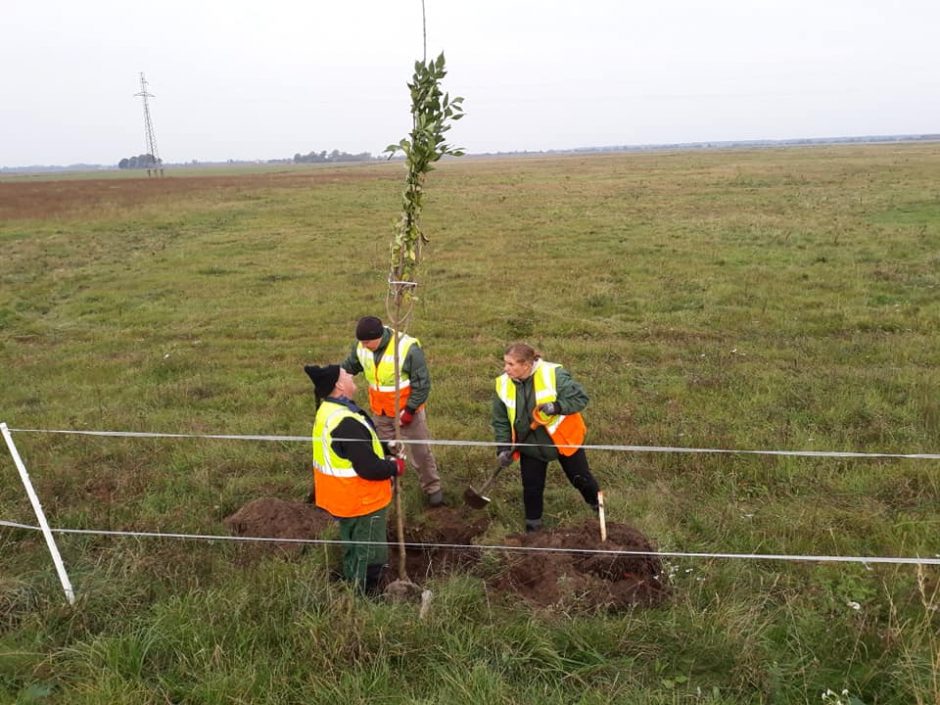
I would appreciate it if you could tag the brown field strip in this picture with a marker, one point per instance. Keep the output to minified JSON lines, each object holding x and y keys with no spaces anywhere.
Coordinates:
{"x":41,"y":199}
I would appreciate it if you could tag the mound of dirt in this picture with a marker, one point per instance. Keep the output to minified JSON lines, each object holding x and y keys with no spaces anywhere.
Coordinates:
{"x":582,"y":581}
{"x":275,"y":518}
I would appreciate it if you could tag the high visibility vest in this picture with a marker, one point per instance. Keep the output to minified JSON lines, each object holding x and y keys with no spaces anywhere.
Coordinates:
{"x":338,"y":489}
{"x":566,"y":430}
{"x":381,"y":379}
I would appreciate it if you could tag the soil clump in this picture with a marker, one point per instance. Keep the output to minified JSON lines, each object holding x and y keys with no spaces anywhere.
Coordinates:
{"x":269,"y":517}
{"x":570,"y":577}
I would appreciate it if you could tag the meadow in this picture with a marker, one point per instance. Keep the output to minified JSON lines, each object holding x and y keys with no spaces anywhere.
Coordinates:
{"x":782,"y":299}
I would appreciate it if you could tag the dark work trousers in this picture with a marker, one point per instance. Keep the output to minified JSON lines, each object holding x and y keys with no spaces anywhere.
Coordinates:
{"x":533,"y":480}
{"x":365,"y":548}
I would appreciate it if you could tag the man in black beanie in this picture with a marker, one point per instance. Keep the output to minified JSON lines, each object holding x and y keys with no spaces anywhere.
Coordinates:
{"x":352,"y":475}
{"x":374,"y":356}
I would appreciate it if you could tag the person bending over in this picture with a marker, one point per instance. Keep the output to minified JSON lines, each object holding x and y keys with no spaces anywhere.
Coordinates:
{"x":538,"y":405}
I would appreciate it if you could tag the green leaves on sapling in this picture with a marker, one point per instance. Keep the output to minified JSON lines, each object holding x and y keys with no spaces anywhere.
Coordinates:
{"x":431,"y":111}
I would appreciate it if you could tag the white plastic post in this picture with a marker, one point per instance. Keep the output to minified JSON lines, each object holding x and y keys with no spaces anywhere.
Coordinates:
{"x":37,"y":507}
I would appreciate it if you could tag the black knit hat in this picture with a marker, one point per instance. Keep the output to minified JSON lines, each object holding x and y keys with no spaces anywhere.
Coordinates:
{"x":323,"y":378}
{"x":369,"y":328}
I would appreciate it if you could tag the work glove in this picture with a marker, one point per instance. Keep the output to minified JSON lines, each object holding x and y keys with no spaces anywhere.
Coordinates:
{"x":396,"y":448}
{"x":399,"y":465}
{"x":551,"y":408}
{"x":406,"y":417}
{"x":504,"y":458}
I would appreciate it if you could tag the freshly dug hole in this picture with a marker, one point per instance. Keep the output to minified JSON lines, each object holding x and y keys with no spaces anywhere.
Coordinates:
{"x":568,"y":580}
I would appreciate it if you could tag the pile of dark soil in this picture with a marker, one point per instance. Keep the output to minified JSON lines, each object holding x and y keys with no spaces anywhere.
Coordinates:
{"x":582,"y":580}
{"x":275,"y":518}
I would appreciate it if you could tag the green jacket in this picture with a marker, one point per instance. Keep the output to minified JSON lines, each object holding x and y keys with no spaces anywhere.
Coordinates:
{"x":414,"y":365}
{"x":571,"y":397}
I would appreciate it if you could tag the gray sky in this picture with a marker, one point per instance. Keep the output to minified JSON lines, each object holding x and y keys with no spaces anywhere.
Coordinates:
{"x":262,"y":79}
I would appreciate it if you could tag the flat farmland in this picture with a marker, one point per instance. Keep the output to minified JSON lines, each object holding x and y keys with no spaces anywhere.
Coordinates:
{"x":777,"y":299}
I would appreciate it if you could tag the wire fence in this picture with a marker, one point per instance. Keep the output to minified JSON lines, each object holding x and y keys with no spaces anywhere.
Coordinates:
{"x":494,"y":444}
{"x":49,"y":531}
{"x":914,"y":560}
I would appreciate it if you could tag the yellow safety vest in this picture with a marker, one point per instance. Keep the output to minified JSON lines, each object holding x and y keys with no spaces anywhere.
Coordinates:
{"x":338,"y":489}
{"x":381,"y":379}
{"x":566,"y":430}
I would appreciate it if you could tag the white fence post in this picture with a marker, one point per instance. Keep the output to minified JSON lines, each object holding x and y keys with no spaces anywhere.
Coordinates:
{"x":37,"y":507}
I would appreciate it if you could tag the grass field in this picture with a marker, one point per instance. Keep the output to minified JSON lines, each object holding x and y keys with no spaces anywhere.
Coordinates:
{"x":773,"y":299}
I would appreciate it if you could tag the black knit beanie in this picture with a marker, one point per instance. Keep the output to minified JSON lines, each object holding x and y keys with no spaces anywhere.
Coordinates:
{"x":323,"y":378}
{"x":369,"y":328}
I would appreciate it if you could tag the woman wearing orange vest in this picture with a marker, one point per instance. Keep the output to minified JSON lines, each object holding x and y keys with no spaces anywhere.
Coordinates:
{"x":537,"y":419}
{"x":352,"y":475}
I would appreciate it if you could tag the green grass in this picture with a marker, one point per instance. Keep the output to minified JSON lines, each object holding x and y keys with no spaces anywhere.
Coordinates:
{"x":784,"y":299}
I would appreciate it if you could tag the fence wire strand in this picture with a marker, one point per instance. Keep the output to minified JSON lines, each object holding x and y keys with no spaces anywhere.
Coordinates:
{"x":902,"y":560}
{"x":493,"y":444}
{"x":490,"y":547}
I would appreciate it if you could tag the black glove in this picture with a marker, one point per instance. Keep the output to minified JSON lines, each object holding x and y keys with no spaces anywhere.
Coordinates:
{"x":505,"y":458}
{"x":551,"y":408}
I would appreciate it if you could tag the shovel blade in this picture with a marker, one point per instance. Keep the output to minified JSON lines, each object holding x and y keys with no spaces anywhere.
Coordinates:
{"x":475,"y":499}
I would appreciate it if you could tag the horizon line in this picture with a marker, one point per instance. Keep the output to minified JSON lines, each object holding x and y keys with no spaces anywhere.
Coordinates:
{"x":698,"y":144}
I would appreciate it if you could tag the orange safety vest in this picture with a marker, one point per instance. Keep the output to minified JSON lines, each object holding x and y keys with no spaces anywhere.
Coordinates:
{"x":381,"y":378}
{"x":338,"y":489}
{"x":567,"y":431}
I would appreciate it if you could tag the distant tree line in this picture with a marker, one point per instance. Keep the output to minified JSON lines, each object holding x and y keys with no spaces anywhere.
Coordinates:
{"x":141,"y":161}
{"x":334,"y":156}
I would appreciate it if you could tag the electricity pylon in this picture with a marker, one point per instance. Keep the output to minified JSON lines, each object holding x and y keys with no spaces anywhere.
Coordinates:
{"x":155,"y":167}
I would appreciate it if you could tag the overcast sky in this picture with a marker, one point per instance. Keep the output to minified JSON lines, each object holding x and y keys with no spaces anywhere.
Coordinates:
{"x":263,"y":79}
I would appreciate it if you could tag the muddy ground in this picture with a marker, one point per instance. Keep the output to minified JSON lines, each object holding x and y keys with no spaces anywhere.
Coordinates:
{"x":42,"y":198}
{"x":557,"y":567}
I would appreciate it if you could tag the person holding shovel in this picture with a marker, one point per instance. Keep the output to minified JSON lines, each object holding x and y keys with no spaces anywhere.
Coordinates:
{"x":537,"y":419}
{"x":374,"y":356}
{"x":352,"y":475}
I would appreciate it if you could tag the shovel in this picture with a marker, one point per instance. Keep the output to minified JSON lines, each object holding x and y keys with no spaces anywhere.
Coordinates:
{"x":476,"y":498}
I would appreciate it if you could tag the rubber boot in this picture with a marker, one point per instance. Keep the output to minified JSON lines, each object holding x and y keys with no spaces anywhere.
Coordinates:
{"x":533,"y":525}
{"x":373,"y":586}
